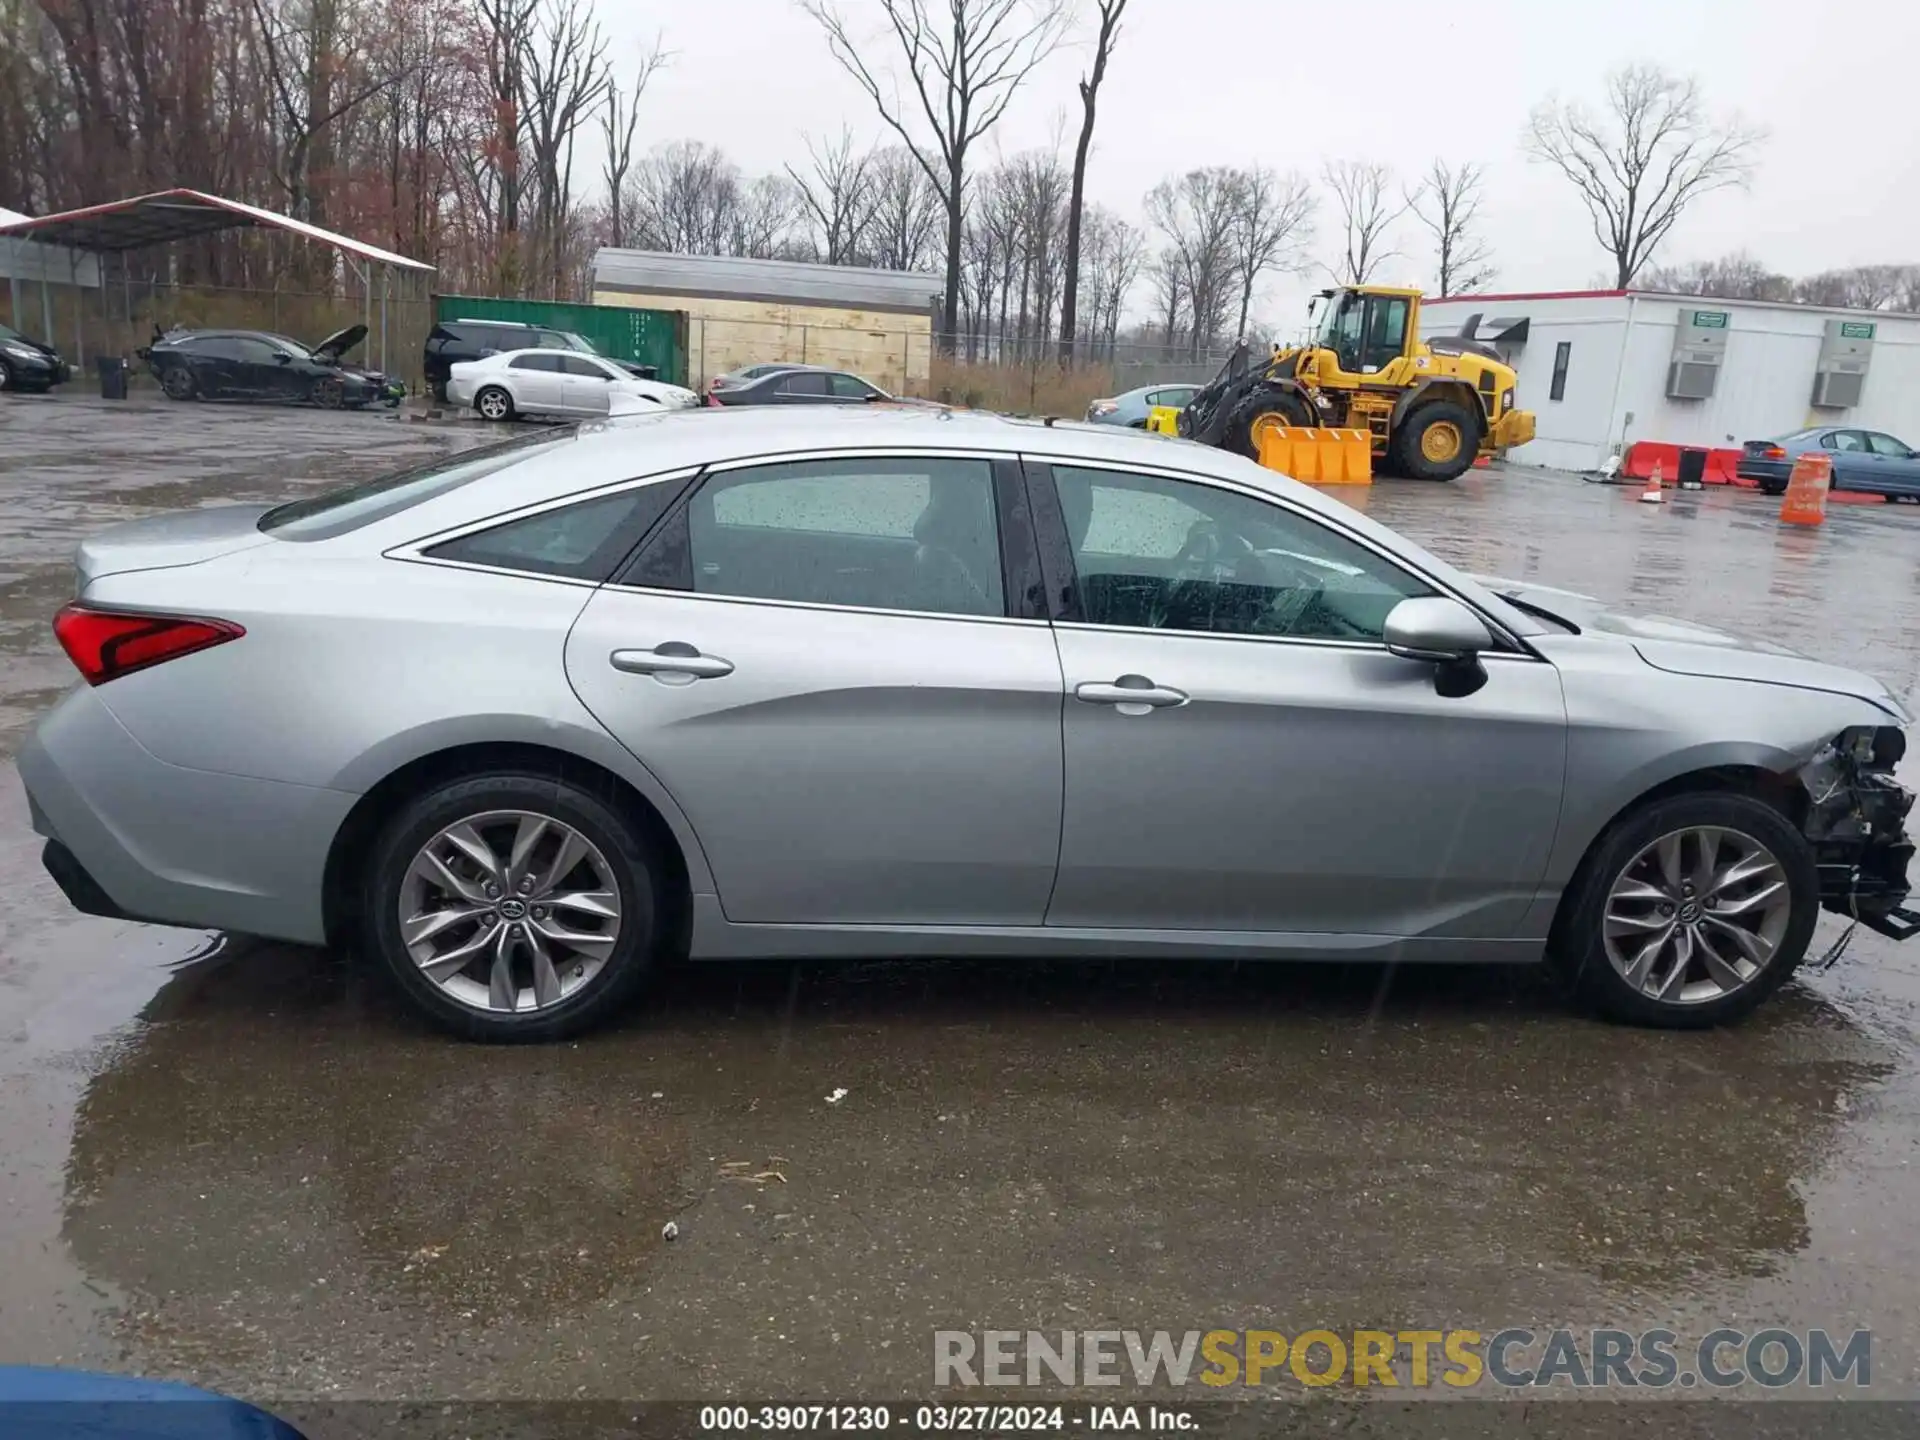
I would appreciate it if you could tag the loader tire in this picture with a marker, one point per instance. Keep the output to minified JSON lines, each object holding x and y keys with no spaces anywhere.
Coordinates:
{"x":1242,"y":434}
{"x":1437,"y":441}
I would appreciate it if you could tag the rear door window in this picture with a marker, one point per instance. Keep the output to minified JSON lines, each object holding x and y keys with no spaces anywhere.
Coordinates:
{"x":535,"y":362}
{"x":804,"y":382}
{"x":893,"y":533}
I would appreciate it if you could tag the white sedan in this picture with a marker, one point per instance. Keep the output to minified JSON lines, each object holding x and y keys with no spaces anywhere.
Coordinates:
{"x":558,"y":382}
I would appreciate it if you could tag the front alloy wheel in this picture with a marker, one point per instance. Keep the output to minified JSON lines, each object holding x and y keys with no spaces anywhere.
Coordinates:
{"x":1688,"y":911}
{"x":1696,"y":915}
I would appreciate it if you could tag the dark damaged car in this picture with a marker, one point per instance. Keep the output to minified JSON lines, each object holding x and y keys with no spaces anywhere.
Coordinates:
{"x":29,"y":364}
{"x":260,"y":365}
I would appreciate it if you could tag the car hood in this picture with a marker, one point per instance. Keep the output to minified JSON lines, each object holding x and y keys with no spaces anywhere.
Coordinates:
{"x":32,"y":344}
{"x":1683,"y":647}
{"x":329,"y":350}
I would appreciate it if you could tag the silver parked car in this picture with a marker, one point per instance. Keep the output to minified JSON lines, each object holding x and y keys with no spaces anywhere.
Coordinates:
{"x":557,"y":382}
{"x":792,"y":682}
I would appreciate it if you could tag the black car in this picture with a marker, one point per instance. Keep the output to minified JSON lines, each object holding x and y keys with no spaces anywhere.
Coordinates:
{"x":29,"y":365}
{"x":258,"y":365}
{"x":453,"y":342}
{"x":803,"y":385}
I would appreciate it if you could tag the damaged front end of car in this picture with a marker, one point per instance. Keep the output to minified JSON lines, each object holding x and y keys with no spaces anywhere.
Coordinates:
{"x":1856,"y":823}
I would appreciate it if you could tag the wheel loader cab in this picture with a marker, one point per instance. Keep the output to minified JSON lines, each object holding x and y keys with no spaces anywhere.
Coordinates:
{"x":1365,"y":330}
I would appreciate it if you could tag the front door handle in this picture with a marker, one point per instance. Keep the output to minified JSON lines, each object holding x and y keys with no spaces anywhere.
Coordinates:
{"x":674,"y":662}
{"x":1130,"y":694}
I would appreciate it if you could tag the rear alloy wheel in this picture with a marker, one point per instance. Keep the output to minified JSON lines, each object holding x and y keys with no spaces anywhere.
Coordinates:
{"x":513,"y":907}
{"x":1690,"y":912}
{"x":1437,"y":441}
{"x":493,"y":403}
{"x":179,"y":384}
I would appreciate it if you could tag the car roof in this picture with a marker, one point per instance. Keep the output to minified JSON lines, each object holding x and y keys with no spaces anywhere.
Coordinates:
{"x":545,"y":350}
{"x":603,"y":453}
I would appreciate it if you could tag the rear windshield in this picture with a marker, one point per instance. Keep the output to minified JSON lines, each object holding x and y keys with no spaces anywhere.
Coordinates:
{"x":321,"y":517}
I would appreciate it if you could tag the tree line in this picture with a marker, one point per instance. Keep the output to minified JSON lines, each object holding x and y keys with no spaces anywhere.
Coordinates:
{"x":452,"y":130}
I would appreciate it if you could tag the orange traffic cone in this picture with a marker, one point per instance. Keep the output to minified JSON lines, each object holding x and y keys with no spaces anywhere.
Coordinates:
{"x":1806,"y":499}
{"x":1651,"y":495}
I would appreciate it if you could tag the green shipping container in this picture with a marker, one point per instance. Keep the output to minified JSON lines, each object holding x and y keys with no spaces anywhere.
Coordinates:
{"x":645,"y":337}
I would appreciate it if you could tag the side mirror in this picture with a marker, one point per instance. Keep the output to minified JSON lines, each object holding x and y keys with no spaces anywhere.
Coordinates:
{"x":1446,"y":634}
{"x":283,"y":357}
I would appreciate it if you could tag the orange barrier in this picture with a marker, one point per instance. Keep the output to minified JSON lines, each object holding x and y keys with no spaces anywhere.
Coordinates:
{"x":1805,"y":502}
{"x":1318,"y":456}
{"x":1643,"y":455}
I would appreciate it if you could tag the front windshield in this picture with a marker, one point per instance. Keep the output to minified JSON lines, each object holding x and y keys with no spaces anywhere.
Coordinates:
{"x":1333,"y":310}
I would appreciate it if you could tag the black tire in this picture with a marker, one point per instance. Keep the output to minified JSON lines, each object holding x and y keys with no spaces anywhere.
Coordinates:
{"x":1578,"y":948}
{"x":635,"y":870}
{"x":6,"y":375}
{"x":438,"y":388}
{"x":1240,"y":436}
{"x":491,"y":394}
{"x":328,"y":393}
{"x":1408,"y":451}
{"x":1773,"y":487}
{"x":178,"y":382}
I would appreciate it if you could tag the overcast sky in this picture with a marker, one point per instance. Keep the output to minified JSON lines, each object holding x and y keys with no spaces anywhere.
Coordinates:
{"x":1280,"y":83}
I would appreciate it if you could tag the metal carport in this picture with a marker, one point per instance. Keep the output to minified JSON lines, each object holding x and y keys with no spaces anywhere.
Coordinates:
{"x":169,"y":215}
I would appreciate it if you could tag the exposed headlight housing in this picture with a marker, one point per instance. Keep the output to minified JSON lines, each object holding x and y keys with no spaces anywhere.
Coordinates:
{"x":1101,"y":407}
{"x":1506,"y":399}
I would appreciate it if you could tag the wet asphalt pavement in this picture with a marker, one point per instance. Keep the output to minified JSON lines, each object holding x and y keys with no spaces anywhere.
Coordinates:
{"x":239,"y":1164}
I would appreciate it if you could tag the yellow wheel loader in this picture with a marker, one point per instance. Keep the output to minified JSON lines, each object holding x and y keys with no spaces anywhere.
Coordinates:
{"x":1429,"y":407}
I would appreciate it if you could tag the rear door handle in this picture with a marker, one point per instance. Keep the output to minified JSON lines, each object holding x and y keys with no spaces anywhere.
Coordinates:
{"x":1130,"y":694}
{"x":674,"y":662}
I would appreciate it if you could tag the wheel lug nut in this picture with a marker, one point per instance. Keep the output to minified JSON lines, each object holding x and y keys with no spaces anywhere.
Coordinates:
{"x":493,"y":891}
{"x":539,"y":912}
{"x":526,"y":883}
{"x":1666,"y":909}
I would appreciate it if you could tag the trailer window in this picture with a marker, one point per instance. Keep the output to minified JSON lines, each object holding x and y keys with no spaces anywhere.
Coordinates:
{"x":1561,"y":354}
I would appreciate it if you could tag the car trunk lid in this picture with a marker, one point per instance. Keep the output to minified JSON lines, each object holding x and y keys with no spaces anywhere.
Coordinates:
{"x":162,"y":542}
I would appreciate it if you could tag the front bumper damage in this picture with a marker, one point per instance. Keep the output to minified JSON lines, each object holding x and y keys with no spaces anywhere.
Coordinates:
{"x":1856,"y":822}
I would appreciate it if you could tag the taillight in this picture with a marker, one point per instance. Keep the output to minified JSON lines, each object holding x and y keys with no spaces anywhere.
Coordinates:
{"x":1774,"y":452}
{"x":106,"y":644}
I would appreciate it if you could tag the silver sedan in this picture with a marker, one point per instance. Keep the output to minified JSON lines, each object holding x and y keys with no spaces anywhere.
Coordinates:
{"x":784,"y":683}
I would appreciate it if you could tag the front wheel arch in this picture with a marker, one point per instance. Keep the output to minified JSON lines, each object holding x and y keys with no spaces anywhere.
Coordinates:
{"x":1783,"y":792}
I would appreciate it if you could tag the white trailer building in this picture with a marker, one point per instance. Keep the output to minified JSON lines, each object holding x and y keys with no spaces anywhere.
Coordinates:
{"x":1603,"y":368}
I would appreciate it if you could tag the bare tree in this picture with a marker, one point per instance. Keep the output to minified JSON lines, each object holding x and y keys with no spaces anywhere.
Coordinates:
{"x":906,"y":214}
{"x":507,"y":33}
{"x":316,"y":80}
{"x":1167,"y":274}
{"x":839,"y":195}
{"x":1195,"y":212}
{"x":1361,"y":191}
{"x":687,"y":197}
{"x":1640,"y":166}
{"x":567,"y":78}
{"x":764,"y":220}
{"x":1110,"y":259}
{"x":1738,"y":276}
{"x":1270,"y":228}
{"x":1108,"y":32}
{"x":617,"y":124}
{"x":964,"y":67}
{"x":1447,"y":203}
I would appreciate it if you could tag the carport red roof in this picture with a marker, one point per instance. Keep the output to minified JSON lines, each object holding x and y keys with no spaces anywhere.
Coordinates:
{"x":178,"y":215}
